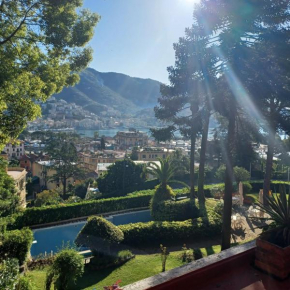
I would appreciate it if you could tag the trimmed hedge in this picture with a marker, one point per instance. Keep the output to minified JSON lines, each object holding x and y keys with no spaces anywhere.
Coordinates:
{"x":16,"y":244}
{"x":175,"y":210}
{"x":55,"y":213}
{"x":275,"y":186}
{"x":156,"y":233}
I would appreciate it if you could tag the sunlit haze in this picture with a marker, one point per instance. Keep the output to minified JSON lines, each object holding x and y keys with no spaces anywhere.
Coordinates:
{"x":136,"y":37}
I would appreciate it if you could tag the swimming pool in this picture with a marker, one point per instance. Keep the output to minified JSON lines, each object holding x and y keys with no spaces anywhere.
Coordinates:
{"x":51,"y":239}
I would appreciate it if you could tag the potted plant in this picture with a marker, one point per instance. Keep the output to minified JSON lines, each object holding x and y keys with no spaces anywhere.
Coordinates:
{"x":273,"y":245}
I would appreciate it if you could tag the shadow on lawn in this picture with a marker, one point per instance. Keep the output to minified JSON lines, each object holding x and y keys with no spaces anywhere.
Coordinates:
{"x":92,"y":277}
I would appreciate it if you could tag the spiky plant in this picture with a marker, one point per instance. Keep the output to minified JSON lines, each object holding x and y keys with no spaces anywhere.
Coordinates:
{"x":278,"y":209}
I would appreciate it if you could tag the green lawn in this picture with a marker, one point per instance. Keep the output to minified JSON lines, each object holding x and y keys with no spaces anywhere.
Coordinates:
{"x":142,"y":266}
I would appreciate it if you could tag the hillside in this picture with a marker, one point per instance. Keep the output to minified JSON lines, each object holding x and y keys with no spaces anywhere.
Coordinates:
{"x":99,"y":92}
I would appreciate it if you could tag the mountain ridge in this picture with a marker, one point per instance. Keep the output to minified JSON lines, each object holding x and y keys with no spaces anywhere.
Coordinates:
{"x":101,"y":93}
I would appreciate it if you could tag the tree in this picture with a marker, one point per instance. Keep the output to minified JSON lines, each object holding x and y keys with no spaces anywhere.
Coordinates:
{"x":239,"y":173}
{"x":96,"y":135}
{"x":103,"y":143}
{"x":185,"y":104}
{"x":67,"y":266}
{"x":9,"y":201}
{"x":120,"y":177}
{"x":99,"y":235}
{"x":237,"y":27}
{"x":42,"y":49}
{"x":63,"y":152}
{"x":47,"y":197}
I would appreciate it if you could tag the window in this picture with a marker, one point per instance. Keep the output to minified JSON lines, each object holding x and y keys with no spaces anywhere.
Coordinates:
{"x":143,"y":156}
{"x":149,"y":155}
{"x":25,"y":161}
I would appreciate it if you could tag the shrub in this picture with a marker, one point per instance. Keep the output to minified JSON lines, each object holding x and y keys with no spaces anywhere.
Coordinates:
{"x":187,"y":254}
{"x":9,"y":273}
{"x":24,"y":284}
{"x":66,"y":268}
{"x":240,"y":173}
{"x":47,"y":197}
{"x":175,"y":210}
{"x":98,"y":234}
{"x":219,"y":207}
{"x":162,"y":193}
{"x":152,"y":233}
{"x":16,"y":244}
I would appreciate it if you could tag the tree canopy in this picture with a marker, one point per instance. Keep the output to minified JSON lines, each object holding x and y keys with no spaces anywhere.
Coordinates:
{"x":42,"y":49}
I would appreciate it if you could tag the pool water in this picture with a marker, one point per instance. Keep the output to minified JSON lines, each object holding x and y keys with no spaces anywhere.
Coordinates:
{"x":52,"y":239}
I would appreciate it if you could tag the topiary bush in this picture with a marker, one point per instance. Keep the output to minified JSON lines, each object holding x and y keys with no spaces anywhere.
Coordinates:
{"x":175,"y":210}
{"x":162,"y":193}
{"x":16,"y":244}
{"x":99,"y":234}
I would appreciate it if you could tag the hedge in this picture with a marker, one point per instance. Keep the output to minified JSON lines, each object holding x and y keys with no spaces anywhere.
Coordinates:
{"x":275,"y":185}
{"x":175,"y":210}
{"x":156,"y":233}
{"x":16,"y":244}
{"x":55,"y":213}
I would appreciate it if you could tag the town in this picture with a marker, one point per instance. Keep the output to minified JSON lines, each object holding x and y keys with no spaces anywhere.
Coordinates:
{"x":144,"y":145}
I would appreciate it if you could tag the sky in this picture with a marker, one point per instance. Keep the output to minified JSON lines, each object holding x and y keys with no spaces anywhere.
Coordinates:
{"x":136,"y":37}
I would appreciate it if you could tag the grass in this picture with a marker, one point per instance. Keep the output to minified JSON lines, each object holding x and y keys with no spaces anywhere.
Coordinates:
{"x":142,"y":266}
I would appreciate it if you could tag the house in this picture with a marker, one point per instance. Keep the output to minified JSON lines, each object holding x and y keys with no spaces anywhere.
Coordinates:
{"x":153,"y":153}
{"x":19,"y":176}
{"x":14,"y":150}
{"x":127,"y":139}
{"x":44,"y":170}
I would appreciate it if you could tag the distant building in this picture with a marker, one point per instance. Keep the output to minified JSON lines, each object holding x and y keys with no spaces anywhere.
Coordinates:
{"x":127,"y":139}
{"x":27,"y":160}
{"x":14,"y":150}
{"x":153,"y":153}
{"x":19,"y":176}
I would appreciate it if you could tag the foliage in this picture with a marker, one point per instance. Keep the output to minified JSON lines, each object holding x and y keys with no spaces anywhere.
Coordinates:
{"x":152,"y":233}
{"x":68,"y":265}
{"x":164,"y":256}
{"x":9,"y":270}
{"x":80,"y":190}
{"x":34,"y":216}
{"x":164,"y":172}
{"x":218,"y":208}
{"x":103,"y":143}
{"x":278,"y":209}
{"x":37,"y":62}
{"x":186,"y":255}
{"x":240,"y":174}
{"x":98,"y":234}
{"x":174,"y":210}
{"x":63,"y":152}
{"x":24,"y":284}
{"x":9,"y":201}
{"x":119,"y":177}
{"x":47,"y":197}
{"x":16,"y":244}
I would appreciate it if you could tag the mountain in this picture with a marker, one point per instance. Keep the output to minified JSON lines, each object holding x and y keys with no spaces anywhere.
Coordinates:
{"x":99,"y":92}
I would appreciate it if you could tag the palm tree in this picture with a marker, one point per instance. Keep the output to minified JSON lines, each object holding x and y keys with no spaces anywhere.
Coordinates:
{"x":164,"y":172}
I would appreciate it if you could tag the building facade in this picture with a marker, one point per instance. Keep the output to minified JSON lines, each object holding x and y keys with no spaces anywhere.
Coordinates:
{"x":14,"y":150}
{"x":153,"y":153}
{"x":125,"y":140}
{"x":19,"y":176}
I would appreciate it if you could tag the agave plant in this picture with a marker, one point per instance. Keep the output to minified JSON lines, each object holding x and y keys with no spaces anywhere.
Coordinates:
{"x":278,"y":209}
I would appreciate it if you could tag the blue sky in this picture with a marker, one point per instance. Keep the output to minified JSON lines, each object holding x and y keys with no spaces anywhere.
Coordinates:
{"x":136,"y":37}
